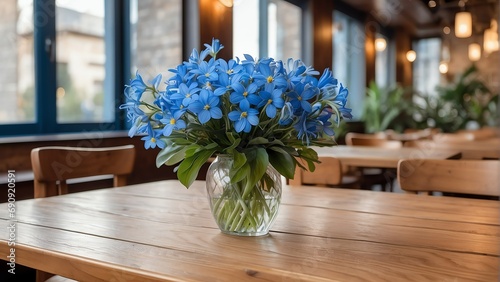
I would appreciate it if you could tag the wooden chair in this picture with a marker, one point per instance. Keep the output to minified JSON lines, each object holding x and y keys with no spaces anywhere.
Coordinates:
{"x":350,"y":135}
{"x":381,"y":143}
{"x":377,"y":176}
{"x":453,"y":137}
{"x":481,"y":133}
{"x":474,"y":177}
{"x":328,"y":173}
{"x":53,"y":166}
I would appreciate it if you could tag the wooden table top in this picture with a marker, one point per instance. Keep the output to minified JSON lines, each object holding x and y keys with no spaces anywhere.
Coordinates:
{"x":161,"y":231}
{"x":365,"y":156}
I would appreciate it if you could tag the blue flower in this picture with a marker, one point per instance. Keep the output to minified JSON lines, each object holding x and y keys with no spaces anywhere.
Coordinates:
{"x":153,"y":139}
{"x":214,"y":48}
{"x":186,"y":94}
{"x":306,"y":128}
{"x":271,"y":99}
{"x":300,"y":97}
{"x":207,"y":73}
{"x":171,"y":124}
{"x":244,"y":96}
{"x":137,"y":87}
{"x":206,"y":107}
{"x":244,"y":118}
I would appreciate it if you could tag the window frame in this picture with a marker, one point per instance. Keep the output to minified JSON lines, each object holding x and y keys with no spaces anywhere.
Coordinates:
{"x":117,"y":40}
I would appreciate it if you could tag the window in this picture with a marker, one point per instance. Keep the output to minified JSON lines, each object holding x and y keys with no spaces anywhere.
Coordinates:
{"x":156,"y":35}
{"x":279,"y":36}
{"x":385,"y":63}
{"x":349,"y":59}
{"x":81,"y":59}
{"x":63,"y":77}
{"x":426,"y":74}
{"x":17,"y":56}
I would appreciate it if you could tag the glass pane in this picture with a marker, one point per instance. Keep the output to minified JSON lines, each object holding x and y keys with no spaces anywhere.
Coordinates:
{"x":284,"y":37}
{"x":156,"y":37}
{"x":16,"y":54}
{"x":245,"y":28}
{"x":382,"y":66}
{"x":426,"y":74}
{"x":80,"y":55}
{"x":349,"y":59}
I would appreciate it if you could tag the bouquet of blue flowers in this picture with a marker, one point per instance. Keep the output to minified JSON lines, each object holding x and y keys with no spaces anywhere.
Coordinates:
{"x":262,"y":114}
{"x":259,"y":111}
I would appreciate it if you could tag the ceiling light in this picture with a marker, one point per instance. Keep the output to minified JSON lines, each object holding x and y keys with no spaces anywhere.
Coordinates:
{"x":446,"y":30}
{"x":411,"y":55}
{"x":474,"y":52}
{"x":380,"y":44}
{"x":432,"y":4}
{"x":490,"y":43}
{"x":227,"y":3}
{"x":463,"y":25}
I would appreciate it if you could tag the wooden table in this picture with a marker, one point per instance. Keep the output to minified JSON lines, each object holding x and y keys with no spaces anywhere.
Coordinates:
{"x":364,"y":156}
{"x":160,"y":231}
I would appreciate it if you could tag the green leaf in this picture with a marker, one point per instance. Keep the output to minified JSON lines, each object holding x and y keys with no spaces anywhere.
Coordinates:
{"x":258,"y":141}
{"x":239,"y":160}
{"x":282,"y":161}
{"x":171,"y":155}
{"x":258,"y":160}
{"x":234,"y":145}
{"x":190,"y":167}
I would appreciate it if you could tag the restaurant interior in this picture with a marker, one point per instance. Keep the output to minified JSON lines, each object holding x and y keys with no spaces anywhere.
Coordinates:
{"x":423,"y":83}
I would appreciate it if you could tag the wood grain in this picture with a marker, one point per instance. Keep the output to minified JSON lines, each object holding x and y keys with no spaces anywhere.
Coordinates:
{"x":161,"y":231}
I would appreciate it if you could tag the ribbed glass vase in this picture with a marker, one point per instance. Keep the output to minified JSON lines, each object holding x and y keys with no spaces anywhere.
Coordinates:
{"x":235,"y":212}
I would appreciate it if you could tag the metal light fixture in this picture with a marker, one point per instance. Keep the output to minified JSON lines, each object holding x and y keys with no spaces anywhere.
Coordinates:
{"x":411,"y":56}
{"x":380,"y":44}
{"x":227,"y":3}
{"x":490,"y":43}
{"x":463,"y":24}
{"x":474,"y":52}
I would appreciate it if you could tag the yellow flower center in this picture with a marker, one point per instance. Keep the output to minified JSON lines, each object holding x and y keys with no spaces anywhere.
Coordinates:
{"x":172,"y":121}
{"x":269,"y":79}
{"x":245,"y":94}
{"x":244,"y":114}
{"x":153,"y":139}
{"x":207,"y":107}
{"x":207,"y":74}
{"x":230,"y":71}
{"x":188,"y":95}
{"x":269,"y":101}
{"x":299,"y":98}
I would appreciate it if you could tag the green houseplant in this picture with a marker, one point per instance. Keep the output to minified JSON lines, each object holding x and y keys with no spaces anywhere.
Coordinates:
{"x":386,"y":108}
{"x":466,"y":100}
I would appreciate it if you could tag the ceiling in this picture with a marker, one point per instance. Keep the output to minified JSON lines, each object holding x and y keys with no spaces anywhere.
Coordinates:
{"x":423,"y":21}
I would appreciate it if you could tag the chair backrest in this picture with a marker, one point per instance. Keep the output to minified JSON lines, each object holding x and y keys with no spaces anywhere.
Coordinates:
{"x":476,"y":177}
{"x":52,"y":166}
{"x":328,"y":172}
{"x":453,"y":137}
{"x":381,"y":143}
{"x":481,"y":133}
{"x":350,"y":135}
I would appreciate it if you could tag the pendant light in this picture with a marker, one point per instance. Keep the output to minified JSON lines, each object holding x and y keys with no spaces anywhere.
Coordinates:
{"x":463,"y":22}
{"x":474,"y":52}
{"x":490,"y":43}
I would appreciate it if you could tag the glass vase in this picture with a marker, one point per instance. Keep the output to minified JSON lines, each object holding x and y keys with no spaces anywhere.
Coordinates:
{"x":236,"y":213}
